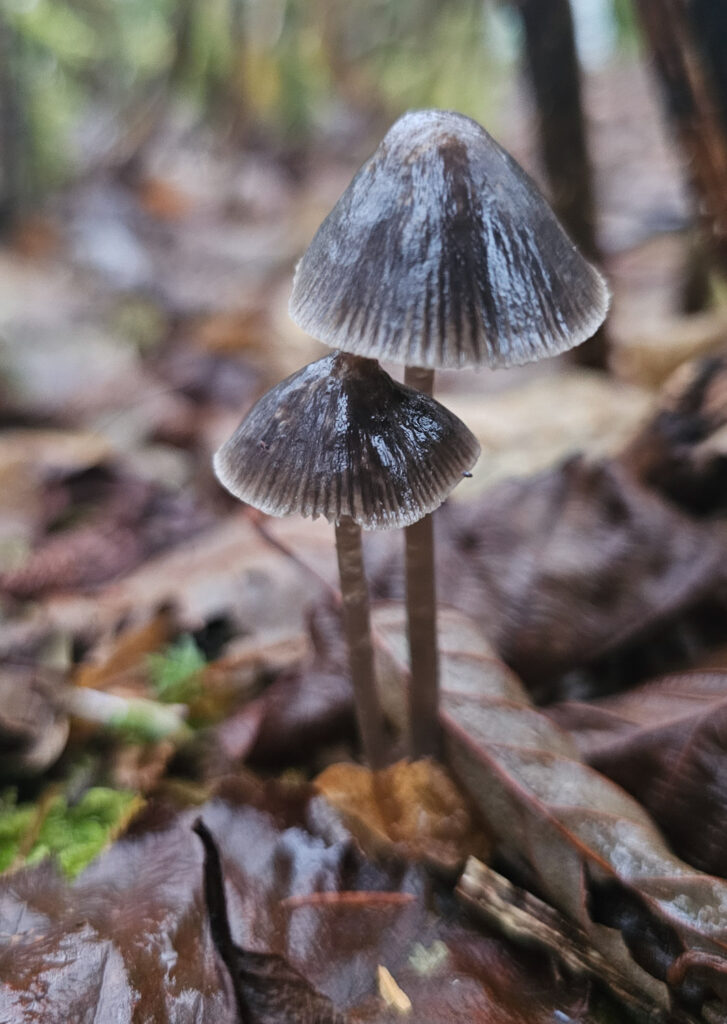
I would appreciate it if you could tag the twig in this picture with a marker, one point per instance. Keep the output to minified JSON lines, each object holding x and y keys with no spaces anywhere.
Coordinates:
{"x":528,"y":921}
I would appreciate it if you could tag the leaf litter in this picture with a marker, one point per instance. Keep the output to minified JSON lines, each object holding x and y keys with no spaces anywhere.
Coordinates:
{"x":135,"y":932}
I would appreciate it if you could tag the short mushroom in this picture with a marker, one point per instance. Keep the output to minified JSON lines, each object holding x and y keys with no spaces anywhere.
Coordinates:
{"x":340,"y":438}
{"x":442,"y":253}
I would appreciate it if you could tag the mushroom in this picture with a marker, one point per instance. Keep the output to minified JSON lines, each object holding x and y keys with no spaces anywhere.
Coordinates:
{"x":340,"y":438}
{"x":442,"y":253}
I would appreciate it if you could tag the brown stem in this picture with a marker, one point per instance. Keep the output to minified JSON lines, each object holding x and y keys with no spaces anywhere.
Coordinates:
{"x":421,"y":607}
{"x":357,"y":626}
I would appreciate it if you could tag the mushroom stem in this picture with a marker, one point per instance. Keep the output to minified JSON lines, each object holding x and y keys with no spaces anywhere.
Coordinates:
{"x":421,"y":607}
{"x":357,"y":626}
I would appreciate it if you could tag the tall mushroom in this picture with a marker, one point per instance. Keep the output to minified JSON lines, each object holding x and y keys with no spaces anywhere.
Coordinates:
{"x":442,"y":253}
{"x":341,"y":439}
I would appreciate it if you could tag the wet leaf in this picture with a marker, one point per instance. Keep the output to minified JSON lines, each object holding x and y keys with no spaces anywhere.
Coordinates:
{"x":411,"y":809}
{"x":268,"y":990}
{"x":588,"y":846}
{"x":130,"y":940}
{"x":666,"y":744}
{"x":573,"y":565}
{"x":335,"y":919}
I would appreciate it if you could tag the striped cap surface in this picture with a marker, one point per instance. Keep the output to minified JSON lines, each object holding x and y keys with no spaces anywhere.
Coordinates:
{"x":342,"y":438}
{"x":442,"y":253}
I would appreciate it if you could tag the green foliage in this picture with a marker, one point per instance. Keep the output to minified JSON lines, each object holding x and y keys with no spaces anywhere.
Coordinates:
{"x":73,"y":834}
{"x":281,"y":67}
{"x":174,"y":675}
{"x":14,"y":824}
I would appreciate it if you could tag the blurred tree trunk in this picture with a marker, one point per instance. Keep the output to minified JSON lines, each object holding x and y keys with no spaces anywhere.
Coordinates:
{"x":14,"y":140}
{"x":709,"y":22}
{"x":694,"y":99}
{"x":555,"y":80}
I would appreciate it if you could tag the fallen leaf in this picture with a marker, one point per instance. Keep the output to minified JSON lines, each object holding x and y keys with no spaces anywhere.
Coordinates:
{"x":33,"y":720}
{"x":129,"y":941}
{"x":305,"y":706}
{"x":589,"y":848}
{"x":411,"y":809}
{"x":114,"y":658}
{"x":268,"y":990}
{"x":536,"y":424}
{"x":681,"y":450}
{"x":666,"y":744}
{"x":651,"y":348}
{"x":566,"y":569}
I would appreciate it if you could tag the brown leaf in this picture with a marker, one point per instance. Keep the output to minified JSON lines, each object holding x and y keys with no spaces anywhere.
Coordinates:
{"x":56,"y":452}
{"x":277,"y":872}
{"x":268,"y":990}
{"x":309,"y":704}
{"x":572,"y":565}
{"x":588,"y":846}
{"x":682,"y":449}
{"x":138,"y":520}
{"x":297,"y":712}
{"x":81,"y":559}
{"x":307,"y":916}
{"x":666,"y":744}
{"x":33,"y":723}
{"x":226,"y":571}
{"x":124,"y":654}
{"x":411,"y":809}
{"x":127,"y":943}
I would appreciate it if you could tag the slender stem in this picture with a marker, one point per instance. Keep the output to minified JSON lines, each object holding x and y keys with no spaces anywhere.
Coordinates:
{"x":357,"y":626}
{"x":421,"y":607}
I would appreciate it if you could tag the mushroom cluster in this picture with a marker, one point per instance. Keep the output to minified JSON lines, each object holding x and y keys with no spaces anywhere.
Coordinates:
{"x":440,"y":253}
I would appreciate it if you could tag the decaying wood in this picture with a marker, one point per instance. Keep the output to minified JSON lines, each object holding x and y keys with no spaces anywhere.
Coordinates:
{"x":528,"y":921}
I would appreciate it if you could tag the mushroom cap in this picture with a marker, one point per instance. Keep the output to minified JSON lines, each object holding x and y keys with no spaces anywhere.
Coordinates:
{"x":442,"y":253}
{"x":341,"y":438}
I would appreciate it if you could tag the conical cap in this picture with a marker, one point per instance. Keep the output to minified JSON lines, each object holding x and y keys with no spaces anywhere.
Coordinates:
{"x":341,"y":438}
{"x":442,"y":253}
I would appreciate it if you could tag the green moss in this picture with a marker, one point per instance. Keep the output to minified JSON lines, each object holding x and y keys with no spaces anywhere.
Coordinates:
{"x":174,"y":675}
{"x":73,"y":834}
{"x":14,"y":824}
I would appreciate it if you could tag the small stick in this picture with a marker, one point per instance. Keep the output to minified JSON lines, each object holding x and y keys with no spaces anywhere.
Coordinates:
{"x":357,"y":626}
{"x":421,"y":607}
{"x":526,"y":920}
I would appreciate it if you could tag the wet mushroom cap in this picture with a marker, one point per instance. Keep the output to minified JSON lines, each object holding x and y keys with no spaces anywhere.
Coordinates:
{"x":342,"y":438}
{"x":442,"y":253}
